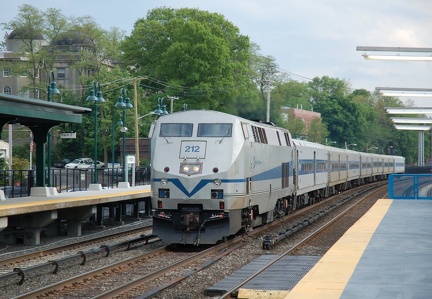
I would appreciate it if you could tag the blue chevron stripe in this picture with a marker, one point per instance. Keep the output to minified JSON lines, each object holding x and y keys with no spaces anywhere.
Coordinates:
{"x":199,"y":186}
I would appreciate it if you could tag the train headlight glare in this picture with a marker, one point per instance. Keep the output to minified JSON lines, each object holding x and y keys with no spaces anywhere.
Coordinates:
{"x":164,"y":182}
{"x":190,"y":168}
{"x":217,"y":182}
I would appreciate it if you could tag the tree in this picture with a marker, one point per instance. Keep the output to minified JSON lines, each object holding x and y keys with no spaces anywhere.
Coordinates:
{"x":296,"y":127}
{"x":291,"y":94}
{"x":200,"y":56}
{"x":324,"y":87}
{"x":317,"y":131}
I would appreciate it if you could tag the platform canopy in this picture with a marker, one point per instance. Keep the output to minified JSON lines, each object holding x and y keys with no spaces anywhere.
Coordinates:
{"x":39,"y":116}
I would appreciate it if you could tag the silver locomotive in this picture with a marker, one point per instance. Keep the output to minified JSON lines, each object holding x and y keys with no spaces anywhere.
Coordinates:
{"x":214,"y":174}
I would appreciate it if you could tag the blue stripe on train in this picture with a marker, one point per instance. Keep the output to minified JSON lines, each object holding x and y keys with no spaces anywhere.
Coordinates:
{"x":199,"y":186}
{"x":271,"y":174}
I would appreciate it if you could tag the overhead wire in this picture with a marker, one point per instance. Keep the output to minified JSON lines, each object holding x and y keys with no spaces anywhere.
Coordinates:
{"x":185,"y":89}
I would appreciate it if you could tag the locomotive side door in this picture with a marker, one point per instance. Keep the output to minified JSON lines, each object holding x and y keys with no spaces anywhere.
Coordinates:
{"x":246,"y":136}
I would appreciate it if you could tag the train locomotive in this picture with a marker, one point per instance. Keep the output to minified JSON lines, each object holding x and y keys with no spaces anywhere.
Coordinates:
{"x":214,"y":174}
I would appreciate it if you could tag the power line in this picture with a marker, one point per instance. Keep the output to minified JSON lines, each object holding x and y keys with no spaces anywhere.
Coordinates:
{"x":294,"y":74}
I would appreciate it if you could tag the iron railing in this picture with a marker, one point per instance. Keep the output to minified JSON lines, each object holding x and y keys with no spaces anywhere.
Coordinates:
{"x":17,"y":183}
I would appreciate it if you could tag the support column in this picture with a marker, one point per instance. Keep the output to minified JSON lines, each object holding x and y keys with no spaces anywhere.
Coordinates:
{"x":420,"y":161}
{"x":147,"y":207}
{"x":99,"y":215}
{"x":74,"y":216}
{"x":32,"y":235}
{"x":33,"y":223}
{"x":74,"y":228}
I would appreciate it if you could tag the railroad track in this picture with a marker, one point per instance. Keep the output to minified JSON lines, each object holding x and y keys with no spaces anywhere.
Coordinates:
{"x":146,"y":274}
{"x":83,"y":244}
{"x":130,"y":276}
{"x":17,"y":267}
{"x":320,"y":232}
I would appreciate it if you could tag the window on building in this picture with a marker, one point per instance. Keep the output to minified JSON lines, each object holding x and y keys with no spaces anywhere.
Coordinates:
{"x":25,"y":93}
{"x":61,"y":73}
{"x":6,"y":72}
{"x":7,"y":90}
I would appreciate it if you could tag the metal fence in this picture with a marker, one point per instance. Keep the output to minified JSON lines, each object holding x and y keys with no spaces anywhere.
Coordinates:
{"x":17,"y":183}
{"x":410,"y":186}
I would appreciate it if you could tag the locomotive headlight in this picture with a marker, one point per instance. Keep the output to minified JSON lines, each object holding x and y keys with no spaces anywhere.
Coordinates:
{"x":217,"y":182}
{"x":164,"y":181}
{"x":190,"y":168}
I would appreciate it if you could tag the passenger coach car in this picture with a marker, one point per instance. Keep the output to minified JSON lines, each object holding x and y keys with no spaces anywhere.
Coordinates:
{"x":215,"y":174}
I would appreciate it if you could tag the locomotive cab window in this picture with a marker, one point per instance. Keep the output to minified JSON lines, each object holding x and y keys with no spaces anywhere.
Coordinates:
{"x":214,"y":130}
{"x":175,"y":130}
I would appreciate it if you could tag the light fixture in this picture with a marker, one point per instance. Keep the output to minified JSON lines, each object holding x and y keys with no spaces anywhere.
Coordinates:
{"x":408,"y":110}
{"x":397,"y":57}
{"x":371,"y":148}
{"x":348,"y":145}
{"x":397,"y":53}
{"x":412,"y":127}
{"x":404,"y":92}
{"x":411,"y":120}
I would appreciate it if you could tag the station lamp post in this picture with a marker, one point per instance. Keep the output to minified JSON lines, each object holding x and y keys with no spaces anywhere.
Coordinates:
{"x":51,"y":89}
{"x":95,"y":97}
{"x":124,"y":103}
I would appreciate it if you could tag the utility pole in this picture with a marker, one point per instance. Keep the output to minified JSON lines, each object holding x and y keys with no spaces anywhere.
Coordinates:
{"x":172,"y":100}
{"x":270,"y":70}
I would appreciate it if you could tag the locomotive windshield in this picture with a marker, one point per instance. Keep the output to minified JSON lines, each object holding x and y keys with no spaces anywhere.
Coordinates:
{"x":175,"y":130}
{"x":214,"y":130}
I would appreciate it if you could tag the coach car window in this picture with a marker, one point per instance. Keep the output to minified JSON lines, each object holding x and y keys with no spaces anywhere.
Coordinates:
{"x":214,"y":130}
{"x":175,"y":130}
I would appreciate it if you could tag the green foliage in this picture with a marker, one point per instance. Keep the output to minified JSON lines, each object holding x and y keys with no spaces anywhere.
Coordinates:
{"x":317,"y":131}
{"x":296,"y":127}
{"x":3,"y":163}
{"x":19,"y":163}
{"x":200,"y":56}
{"x":292,"y":94}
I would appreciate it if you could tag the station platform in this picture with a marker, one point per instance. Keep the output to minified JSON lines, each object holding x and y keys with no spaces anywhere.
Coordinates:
{"x":386,"y":254}
{"x":36,"y":212}
{"x":35,"y":203}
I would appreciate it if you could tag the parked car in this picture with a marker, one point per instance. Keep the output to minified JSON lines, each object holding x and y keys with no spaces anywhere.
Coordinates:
{"x":82,"y":163}
{"x":118,"y":170}
{"x":62,"y":163}
{"x":99,"y":165}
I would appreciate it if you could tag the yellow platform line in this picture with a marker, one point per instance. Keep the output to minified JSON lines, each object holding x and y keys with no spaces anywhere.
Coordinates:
{"x":329,"y":277}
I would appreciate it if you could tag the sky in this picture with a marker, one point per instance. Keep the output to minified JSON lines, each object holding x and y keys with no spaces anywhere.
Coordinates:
{"x":307,"y":38}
